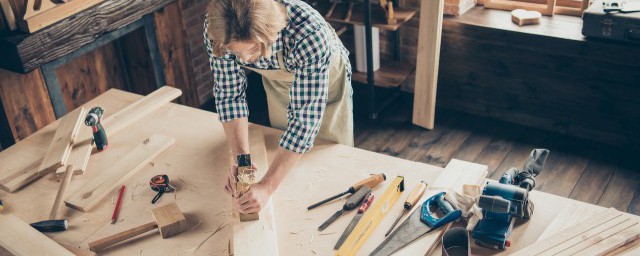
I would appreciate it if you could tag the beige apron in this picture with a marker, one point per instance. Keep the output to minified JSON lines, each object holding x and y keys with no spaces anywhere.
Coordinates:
{"x":337,"y":121}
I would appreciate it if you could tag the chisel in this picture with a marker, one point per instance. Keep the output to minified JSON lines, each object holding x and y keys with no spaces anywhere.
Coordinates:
{"x":363,"y":208}
{"x":411,"y":200}
{"x":351,"y":204}
{"x":371,"y":182}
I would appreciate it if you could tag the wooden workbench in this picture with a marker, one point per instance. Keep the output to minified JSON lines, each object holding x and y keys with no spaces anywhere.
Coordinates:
{"x":196,"y":165}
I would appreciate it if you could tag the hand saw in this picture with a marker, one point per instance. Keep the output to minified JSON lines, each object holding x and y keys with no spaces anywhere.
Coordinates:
{"x":418,"y":224}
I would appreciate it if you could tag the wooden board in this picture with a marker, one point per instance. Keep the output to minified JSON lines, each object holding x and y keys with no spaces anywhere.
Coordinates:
{"x":118,"y":121}
{"x":583,"y":235}
{"x":34,"y":21}
{"x":545,"y":9}
{"x":427,"y":62}
{"x":96,"y":189}
{"x":60,"y":146}
{"x":25,"y":240}
{"x":257,"y":237}
{"x":456,"y":174}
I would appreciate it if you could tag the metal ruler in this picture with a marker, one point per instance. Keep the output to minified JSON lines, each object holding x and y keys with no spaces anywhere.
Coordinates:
{"x":372,"y":218}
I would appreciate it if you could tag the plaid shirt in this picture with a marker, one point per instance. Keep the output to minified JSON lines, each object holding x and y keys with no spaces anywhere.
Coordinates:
{"x":307,"y":44}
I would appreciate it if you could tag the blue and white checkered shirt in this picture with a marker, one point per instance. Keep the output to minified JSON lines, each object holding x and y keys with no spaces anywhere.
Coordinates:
{"x":307,"y":44}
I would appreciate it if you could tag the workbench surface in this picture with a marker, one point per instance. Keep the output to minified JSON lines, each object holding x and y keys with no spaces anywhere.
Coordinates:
{"x":197,"y":165}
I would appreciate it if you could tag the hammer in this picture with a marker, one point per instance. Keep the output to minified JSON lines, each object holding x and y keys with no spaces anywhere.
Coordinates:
{"x":168,"y":219}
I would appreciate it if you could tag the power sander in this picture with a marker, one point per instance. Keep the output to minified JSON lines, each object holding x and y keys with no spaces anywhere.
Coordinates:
{"x":93,"y":119}
{"x":505,"y":202}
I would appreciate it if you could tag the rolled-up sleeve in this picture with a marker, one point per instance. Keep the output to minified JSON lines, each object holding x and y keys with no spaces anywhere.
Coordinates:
{"x":308,"y":93}
{"x":229,"y":84}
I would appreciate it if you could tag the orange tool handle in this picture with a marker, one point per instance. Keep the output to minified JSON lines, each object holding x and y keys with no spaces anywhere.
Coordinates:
{"x":372,"y":181}
{"x":415,"y":195}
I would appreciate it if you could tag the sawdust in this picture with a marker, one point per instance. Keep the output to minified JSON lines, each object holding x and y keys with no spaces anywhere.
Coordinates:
{"x":326,"y":234}
{"x":314,"y":251}
{"x":296,"y":232}
{"x":194,"y":226}
{"x":221,"y":227}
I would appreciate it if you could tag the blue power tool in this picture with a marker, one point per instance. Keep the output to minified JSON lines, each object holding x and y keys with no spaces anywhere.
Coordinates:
{"x":507,"y":201}
{"x":419,"y":223}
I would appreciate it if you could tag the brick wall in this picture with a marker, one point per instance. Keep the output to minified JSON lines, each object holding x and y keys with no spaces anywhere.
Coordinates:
{"x":192,"y":17}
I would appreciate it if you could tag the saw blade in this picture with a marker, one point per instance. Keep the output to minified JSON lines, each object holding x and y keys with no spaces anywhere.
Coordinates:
{"x":410,"y":230}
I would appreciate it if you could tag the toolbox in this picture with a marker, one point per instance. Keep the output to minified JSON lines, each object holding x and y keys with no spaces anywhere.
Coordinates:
{"x":615,"y":25}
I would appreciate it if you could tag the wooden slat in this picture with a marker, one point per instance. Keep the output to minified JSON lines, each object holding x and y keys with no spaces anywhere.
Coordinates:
{"x":62,"y":142}
{"x":118,"y":121}
{"x":568,"y":233}
{"x":449,"y":143}
{"x":96,"y":189}
{"x":593,"y":182}
{"x":604,"y":235}
{"x":37,"y":21}
{"x":620,"y":191}
{"x":428,"y":60}
{"x":618,"y":240}
{"x":257,"y":237}
{"x":21,"y":239}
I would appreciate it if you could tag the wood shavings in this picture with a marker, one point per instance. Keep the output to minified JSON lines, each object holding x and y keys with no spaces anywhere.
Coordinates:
{"x":221,"y":227}
{"x":314,"y":251}
{"x":140,"y":252}
{"x":325,"y":234}
{"x":194,"y":226}
{"x":311,"y":241}
{"x":296,"y":232}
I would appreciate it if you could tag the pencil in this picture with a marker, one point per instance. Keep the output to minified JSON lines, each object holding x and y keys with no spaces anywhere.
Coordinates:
{"x":116,"y":211}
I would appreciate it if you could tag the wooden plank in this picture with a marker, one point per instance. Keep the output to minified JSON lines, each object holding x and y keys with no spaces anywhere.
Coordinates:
{"x":34,"y":21}
{"x":450,"y":141}
{"x":7,"y":13}
{"x":545,"y":9}
{"x":455,"y":175}
{"x":571,"y":215}
{"x":62,"y":142}
{"x":118,"y":121}
{"x":620,"y":191}
{"x":24,"y":52}
{"x":428,"y":59}
{"x":175,"y":56}
{"x":25,"y":240}
{"x":620,"y":231}
{"x":561,"y":178}
{"x":593,"y":182}
{"x":99,"y":187}
{"x":568,"y":233}
{"x":617,"y":241}
{"x":257,"y":237}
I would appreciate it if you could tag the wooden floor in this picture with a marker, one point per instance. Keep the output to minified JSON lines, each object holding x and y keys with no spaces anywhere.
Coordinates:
{"x":579,"y":169}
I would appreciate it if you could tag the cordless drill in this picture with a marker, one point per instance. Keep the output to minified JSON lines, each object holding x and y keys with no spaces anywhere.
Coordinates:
{"x":93,"y":119}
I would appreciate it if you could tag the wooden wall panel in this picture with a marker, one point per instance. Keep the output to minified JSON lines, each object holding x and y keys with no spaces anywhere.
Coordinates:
{"x":173,"y":48}
{"x":135,"y":57}
{"x":26,"y":104}
{"x":566,"y":86}
{"x":89,"y":75}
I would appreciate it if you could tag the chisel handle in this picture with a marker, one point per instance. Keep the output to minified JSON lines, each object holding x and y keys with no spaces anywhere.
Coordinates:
{"x":415,"y":195}
{"x":371,"y":182}
{"x":62,"y":191}
{"x":103,"y":243}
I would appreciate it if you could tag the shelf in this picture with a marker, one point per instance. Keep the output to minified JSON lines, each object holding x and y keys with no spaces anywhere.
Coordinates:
{"x":391,"y":75}
{"x":378,"y":16}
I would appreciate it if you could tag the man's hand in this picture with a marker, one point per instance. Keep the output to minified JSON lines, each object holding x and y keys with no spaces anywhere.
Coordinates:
{"x":232,"y":179}
{"x":254,"y":200}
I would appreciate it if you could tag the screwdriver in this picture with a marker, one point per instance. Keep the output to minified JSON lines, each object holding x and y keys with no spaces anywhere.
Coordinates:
{"x":351,"y":204}
{"x":411,"y":200}
{"x":371,"y":182}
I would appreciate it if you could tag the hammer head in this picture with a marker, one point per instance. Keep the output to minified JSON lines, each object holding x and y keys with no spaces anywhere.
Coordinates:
{"x":170,"y":220}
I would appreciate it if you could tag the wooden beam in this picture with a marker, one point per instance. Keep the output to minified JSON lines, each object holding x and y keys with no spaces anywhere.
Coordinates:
{"x":25,"y":240}
{"x":428,"y":59}
{"x":62,"y":192}
{"x":22,"y":52}
{"x":257,"y":237}
{"x":36,"y":20}
{"x":117,"y":122}
{"x":63,"y":139}
{"x":99,"y":187}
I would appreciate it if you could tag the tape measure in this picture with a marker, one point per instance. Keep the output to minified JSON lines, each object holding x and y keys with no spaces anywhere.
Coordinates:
{"x":160,"y":184}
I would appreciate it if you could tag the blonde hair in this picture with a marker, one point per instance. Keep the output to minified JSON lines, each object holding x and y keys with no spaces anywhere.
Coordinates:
{"x":240,"y":20}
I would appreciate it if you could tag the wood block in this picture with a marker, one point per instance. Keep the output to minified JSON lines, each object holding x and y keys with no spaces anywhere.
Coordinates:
{"x":99,"y":187}
{"x":545,"y":9}
{"x":524,"y":17}
{"x":117,"y":122}
{"x":34,"y":21}
{"x":60,"y":146}
{"x":257,"y":237}
{"x":19,"y":239}
{"x":170,"y":220}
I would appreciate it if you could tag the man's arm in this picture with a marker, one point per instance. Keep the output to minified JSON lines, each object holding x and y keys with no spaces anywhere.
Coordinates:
{"x":237,"y":132}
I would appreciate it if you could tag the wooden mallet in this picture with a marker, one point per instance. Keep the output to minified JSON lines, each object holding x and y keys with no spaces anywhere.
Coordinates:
{"x":168,"y":219}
